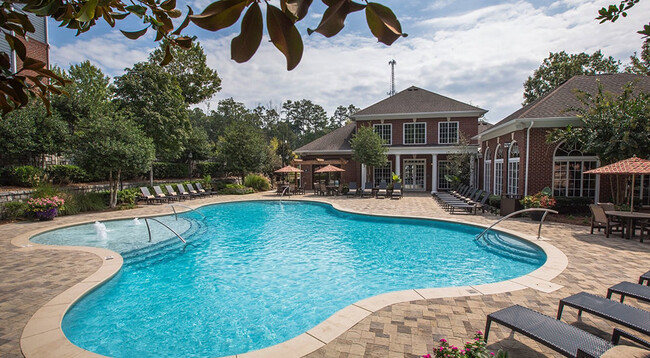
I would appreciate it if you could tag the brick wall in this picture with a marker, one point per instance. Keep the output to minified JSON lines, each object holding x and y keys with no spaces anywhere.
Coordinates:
{"x":468,"y":127}
{"x":37,"y":50}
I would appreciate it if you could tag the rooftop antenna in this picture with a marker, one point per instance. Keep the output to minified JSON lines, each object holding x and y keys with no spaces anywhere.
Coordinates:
{"x":392,"y":64}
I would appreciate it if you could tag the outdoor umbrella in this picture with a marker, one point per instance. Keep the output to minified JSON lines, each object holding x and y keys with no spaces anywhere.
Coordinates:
{"x":289,"y":169}
{"x":632,"y":166}
{"x":329,"y":169}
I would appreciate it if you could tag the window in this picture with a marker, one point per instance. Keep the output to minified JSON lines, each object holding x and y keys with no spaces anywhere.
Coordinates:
{"x":415,"y":133}
{"x":448,"y":132}
{"x":513,"y":169}
{"x":487,"y":170}
{"x":383,"y":173}
{"x":385,"y":131}
{"x":569,"y":165}
{"x":498,"y":170}
{"x":444,"y":169}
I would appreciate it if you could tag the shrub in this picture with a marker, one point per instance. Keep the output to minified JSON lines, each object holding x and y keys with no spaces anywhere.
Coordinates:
{"x":572,"y":205}
{"x":14,"y":209}
{"x":80,"y":202}
{"x":474,"y":349}
{"x":127,"y":197}
{"x":45,"y":190}
{"x":27,"y":176}
{"x":257,"y":182}
{"x":495,"y":201}
{"x":207,"y":182}
{"x":235,"y":189}
{"x":163,"y":170}
{"x":209,"y":168}
{"x":46,"y":207}
{"x":65,"y":174}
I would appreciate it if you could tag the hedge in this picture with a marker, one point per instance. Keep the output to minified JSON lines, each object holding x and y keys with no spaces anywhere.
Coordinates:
{"x":162,"y":170}
{"x":212,"y":169}
{"x":66,"y":174}
{"x":572,"y":205}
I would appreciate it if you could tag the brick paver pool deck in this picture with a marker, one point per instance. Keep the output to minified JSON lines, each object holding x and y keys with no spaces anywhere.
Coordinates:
{"x":31,"y":276}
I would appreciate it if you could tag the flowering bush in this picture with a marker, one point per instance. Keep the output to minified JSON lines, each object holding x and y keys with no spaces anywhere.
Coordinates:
{"x":543,"y":199}
{"x":475,"y":349}
{"x":45,"y":208}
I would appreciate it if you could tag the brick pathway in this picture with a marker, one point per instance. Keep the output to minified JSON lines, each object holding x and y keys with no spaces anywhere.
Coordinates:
{"x":29,"y":278}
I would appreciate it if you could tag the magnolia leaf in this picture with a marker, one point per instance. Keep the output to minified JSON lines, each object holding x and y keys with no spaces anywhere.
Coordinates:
{"x":119,"y":15}
{"x":17,"y":45}
{"x":134,"y":35}
{"x":33,"y":64}
{"x":284,"y":35}
{"x":4,"y":60}
{"x":333,"y":19}
{"x":244,"y":46}
{"x":220,"y":14}
{"x":168,"y":56}
{"x":87,"y":11}
{"x":137,"y":9}
{"x":174,"y":13}
{"x":184,"y":42}
{"x":159,"y":35}
{"x":168,"y":5}
{"x":107,"y":17}
{"x":296,"y":8}
{"x":49,"y":8}
{"x":185,"y":22}
{"x":23,"y":20}
{"x":383,"y":23}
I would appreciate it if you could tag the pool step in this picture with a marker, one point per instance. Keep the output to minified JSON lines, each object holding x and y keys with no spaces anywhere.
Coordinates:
{"x":514,"y":249}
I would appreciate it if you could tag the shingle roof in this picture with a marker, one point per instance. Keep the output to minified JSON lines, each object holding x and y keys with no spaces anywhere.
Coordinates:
{"x":417,"y":100}
{"x":336,"y":140}
{"x":557,"y":103}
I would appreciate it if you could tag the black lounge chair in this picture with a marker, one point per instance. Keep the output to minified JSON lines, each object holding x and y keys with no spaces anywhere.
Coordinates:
{"x":191,"y":189}
{"x":146,"y":195}
{"x":397,"y":191}
{"x":199,"y":187}
{"x":383,"y":190}
{"x":182,"y":191}
{"x":640,"y":292}
{"x":353,"y":189}
{"x":160,"y":194}
{"x":367,"y":189}
{"x":557,"y":335}
{"x":620,"y":313}
{"x":645,"y":278}
{"x":171,"y":191}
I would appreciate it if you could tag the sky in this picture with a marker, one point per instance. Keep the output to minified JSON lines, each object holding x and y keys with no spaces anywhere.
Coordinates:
{"x":476,"y":51}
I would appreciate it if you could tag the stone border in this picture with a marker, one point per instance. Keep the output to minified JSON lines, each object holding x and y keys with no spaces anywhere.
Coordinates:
{"x":43,"y":336}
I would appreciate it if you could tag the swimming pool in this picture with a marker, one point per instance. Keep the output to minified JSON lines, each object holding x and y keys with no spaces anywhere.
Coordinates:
{"x":256,"y":274}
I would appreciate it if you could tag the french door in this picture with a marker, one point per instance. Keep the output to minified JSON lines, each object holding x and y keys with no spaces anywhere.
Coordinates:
{"x":415,"y":174}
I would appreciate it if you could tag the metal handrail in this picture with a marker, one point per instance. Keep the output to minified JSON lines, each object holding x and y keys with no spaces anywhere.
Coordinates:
{"x":539,"y":230}
{"x":185,"y":206}
{"x":146,"y":220}
{"x":284,"y":191}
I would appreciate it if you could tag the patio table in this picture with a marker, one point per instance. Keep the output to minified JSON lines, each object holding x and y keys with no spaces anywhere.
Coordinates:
{"x":332,"y":189}
{"x":630,"y":218}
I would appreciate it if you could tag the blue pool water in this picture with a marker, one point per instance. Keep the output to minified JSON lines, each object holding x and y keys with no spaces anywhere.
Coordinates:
{"x":255,"y":274}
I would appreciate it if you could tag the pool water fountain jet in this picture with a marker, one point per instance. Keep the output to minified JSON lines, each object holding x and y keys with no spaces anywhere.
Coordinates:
{"x":136,"y":222}
{"x":100,"y":229}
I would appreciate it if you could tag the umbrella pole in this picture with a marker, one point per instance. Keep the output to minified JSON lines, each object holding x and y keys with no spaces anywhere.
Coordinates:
{"x":632,"y":195}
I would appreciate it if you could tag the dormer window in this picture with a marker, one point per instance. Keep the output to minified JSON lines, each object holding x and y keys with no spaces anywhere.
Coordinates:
{"x":385,"y":131}
{"x":448,"y":133}
{"x":415,"y":133}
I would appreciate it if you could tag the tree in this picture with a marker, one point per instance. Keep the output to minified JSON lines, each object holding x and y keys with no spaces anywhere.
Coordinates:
{"x":243,"y":148}
{"x":368,"y":148}
{"x":342,"y":115}
{"x":458,"y":162}
{"x":198,"y":82}
{"x":613,"y":12}
{"x":613,"y":126}
{"x":559,"y":67}
{"x":82,"y":15}
{"x":306,"y":119}
{"x":112,"y":146}
{"x":156,"y":103}
{"x":640,"y":66}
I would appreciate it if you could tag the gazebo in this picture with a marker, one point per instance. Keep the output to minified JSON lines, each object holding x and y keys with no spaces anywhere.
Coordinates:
{"x":631,"y":166}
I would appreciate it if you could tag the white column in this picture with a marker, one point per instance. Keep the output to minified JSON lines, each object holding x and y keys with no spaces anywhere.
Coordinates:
{"x":363,"y":175}
{"x":434,"y":173}
{"x":472,"y":170}
{"x":398,"y":165}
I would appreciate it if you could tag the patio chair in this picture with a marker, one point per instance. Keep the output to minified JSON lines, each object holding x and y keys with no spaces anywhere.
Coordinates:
{"x":353,"y":189}
{"x":322,"y":189}
{"x":631,"y":289}
{"x":171,"y":191}
{"x":146,"y":195}
{"x":200,"y":189}
{"x":397,"y":191}
{"x":182,"y":191}
{"x":645,"y":278}
{"x":620,"y":313}
{"x":601,"y":221}
{"x":555,"y":334}
{"x":383,"y":190}
{"x":644,"y":228}
{"x":367,"y":189}
{"x":191,"y":189}
{"x":160,"y":194}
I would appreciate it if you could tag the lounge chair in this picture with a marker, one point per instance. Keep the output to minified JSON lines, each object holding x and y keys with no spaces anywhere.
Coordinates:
{"x":182,"y":191}
{"x":640,"y":292}
{"x":192,"y":190}
{"x":171,"y":191}
{"x":397,"y":191}
{"x":557,"y":335}
{"x":367,"y":189}
{"x":146,"y":195}
{"x":353,"y":189}
{"x":160,"y":194}
{"x":601,"y":221}
{"x":620,"y":313}
{"x":383,"y":190}
{"x":200,"y":189}
{"x":645,"y":278}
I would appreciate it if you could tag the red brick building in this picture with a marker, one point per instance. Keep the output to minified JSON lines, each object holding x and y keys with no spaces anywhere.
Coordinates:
{"x":420,"y":129}
{"x":36,"y":43}
{"x":517,"y":160}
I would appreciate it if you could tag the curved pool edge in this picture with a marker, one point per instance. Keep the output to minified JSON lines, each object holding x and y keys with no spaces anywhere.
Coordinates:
{"x":44,"y":337}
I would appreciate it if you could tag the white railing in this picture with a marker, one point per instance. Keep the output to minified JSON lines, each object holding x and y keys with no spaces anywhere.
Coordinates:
{"x":284,"y":192}
{"x":539,"y":230}
{"x":184,"y":206}
{"x":146,"y":220}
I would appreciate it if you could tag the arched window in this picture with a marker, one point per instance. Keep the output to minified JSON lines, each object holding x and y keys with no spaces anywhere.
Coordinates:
{"x":498,"y":170}
{"x":487,"y":170}
{"x":569,"y":164}
{"x":513,"y":169}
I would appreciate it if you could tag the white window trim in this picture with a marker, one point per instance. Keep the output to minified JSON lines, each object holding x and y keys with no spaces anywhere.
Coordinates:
{"x":511,"y":163}
{"x":494,"y":170}
{"x":439,"y":172}
{"x":457,"y":131}
{"x":390,"y":165}
{"x":390,"y":142}
{"x":573,"y":158}
{"x":416,"y":161}
{"x":404,"y":133}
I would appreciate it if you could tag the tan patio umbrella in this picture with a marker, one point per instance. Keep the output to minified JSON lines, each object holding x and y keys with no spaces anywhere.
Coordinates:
{"x":329,"y":168}
{"x":628,"y":166}
{"x":289,"y":169}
